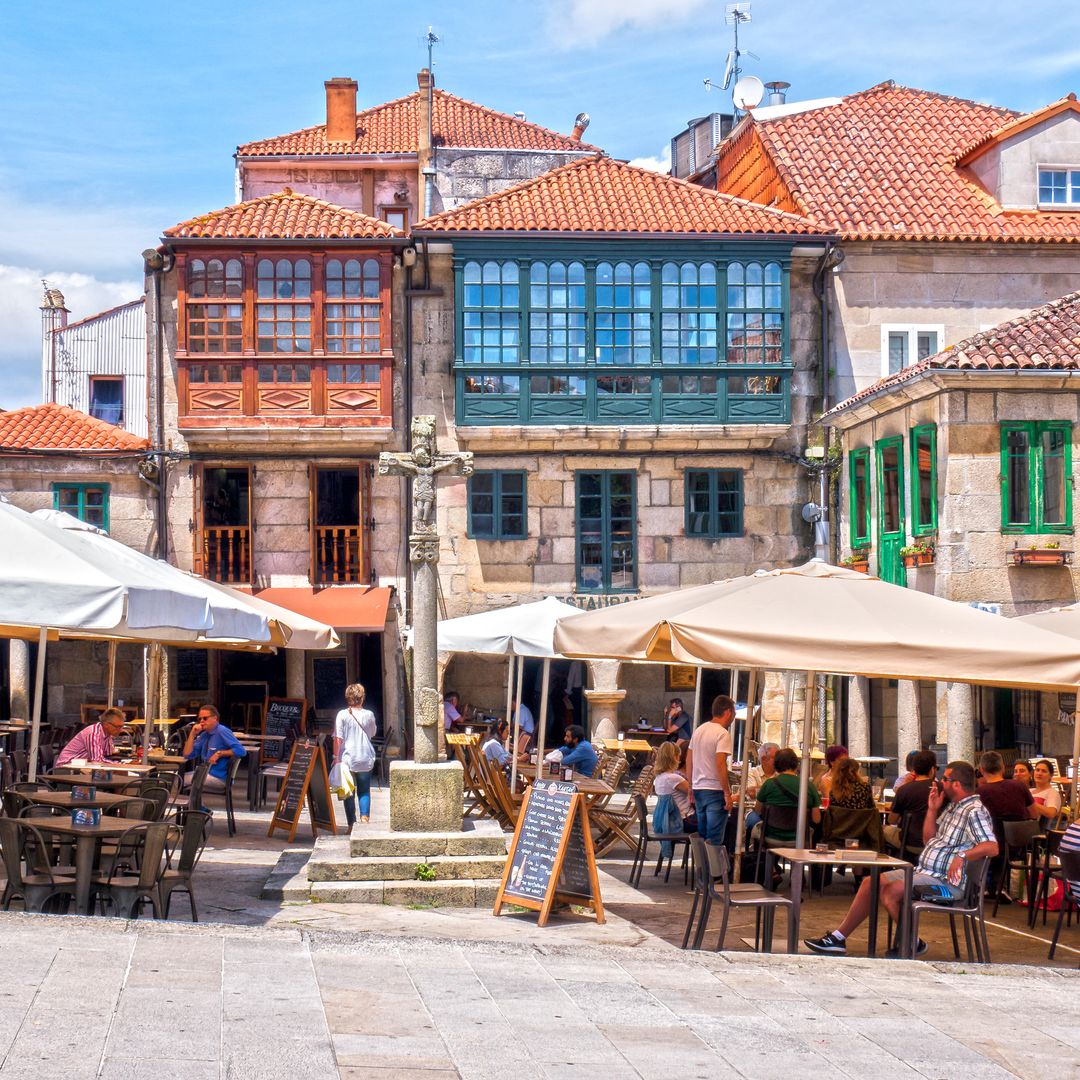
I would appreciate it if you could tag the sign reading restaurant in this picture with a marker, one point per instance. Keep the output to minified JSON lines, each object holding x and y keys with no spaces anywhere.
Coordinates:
{"x":592,"y":601}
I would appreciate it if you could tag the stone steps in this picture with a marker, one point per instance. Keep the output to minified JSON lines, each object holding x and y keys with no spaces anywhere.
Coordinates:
{"x":330,"y":861}
{"x":454,"y":893}
{"x":476,"y":838}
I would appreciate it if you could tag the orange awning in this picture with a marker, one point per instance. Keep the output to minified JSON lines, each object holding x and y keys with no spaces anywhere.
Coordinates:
{"x":359,"y":608}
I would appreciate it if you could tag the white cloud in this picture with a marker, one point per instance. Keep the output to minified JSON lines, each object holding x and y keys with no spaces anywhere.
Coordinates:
{"x":580,"y":22}
{"x":20,"y":321}
{"x":660,"y":163}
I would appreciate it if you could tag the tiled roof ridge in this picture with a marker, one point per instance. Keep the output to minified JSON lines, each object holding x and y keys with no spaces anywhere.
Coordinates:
{"x":21,"y":429}
{"x":100,"y":315}
{"x":583,"y":163}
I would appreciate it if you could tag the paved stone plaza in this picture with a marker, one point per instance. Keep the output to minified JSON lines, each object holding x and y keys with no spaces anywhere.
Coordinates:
{"x":122,"y":1001}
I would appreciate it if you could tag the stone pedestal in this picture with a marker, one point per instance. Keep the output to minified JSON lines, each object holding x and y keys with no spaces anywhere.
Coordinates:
{"x":858,"y":733}
{"x":426,"y":797}
{"x":604,"y":713}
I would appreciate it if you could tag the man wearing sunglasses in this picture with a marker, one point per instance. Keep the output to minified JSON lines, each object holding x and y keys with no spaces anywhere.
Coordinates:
{"x":957,"y":830}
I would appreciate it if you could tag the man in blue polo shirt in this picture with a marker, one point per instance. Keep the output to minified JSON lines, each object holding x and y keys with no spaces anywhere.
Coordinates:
{"x":578,"y":753}
{"x":211,"y":741}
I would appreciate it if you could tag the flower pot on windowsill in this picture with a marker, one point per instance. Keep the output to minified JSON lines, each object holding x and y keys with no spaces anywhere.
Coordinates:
{"x":918,"y":558}
{"x":858,"y":563}
{"x":1040,"y":556}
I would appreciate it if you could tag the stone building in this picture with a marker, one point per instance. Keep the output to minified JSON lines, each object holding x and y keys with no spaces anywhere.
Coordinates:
{"x":54,"y":458}
{"x":969,"y":455}
{"x":633,"y":362}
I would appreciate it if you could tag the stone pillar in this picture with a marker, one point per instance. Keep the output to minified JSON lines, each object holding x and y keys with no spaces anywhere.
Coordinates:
{"x":603,"y":699}
{"x":960,"y":724}
{"x":908,"y":721}
{"x":295,"y":682}
{"x":941,"y":714}
{"x":20,"y":676}
{"x":858,"y":714}
{"x":424,"y":555}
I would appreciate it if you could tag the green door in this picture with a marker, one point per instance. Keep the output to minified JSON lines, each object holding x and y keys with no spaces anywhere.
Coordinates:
{"x":890,"y":509}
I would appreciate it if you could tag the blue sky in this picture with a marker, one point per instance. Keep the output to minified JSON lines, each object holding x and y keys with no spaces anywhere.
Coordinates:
{"x":118,"y":119}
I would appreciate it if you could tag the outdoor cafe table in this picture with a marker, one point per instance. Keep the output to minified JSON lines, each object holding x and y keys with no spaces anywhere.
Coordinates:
{"x":122,"y":776}
{"x":629,"y":746}
{"x":87,"y":838}
{"x":858,"y":859}
{"x":102,"y":800}
{"x":592,"y":788}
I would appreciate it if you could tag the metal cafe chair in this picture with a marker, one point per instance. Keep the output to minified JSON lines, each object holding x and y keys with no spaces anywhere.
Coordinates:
{"x":1018,"y":853}
{"x":646,"y":837}
{"x":128,"y":888}
{"x":970,"y":908}
{"x":194,"y":831}
{"x":38,"y":885}
{"x":1070,"y":871}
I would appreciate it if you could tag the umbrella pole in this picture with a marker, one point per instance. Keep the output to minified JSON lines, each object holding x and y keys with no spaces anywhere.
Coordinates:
{"x":39,"y":694}
{"x":734,"y":688}
{"x":517,"y":724}
{"x":740,"y":821}
{"x":1076,"y":767}
{"x":804,"y":764}
{"x":697,"y":698}
{"x":112,"y":672}
{"x":789,"y":690}
{"x":542,"y":722}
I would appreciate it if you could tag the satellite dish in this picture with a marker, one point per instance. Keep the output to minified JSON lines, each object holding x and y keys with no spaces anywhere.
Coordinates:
{"x":728,"y":69}
{"x":748,"y":92}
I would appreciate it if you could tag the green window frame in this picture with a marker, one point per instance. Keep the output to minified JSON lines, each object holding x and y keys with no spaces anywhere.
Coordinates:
{"x":1036,"y":476}
{"x":498,"y":505}
{"x":606,"y":526}
{"x":612,"y":335}
{"x":87,"y":502}
{"x":890,"y":486}
{"x":859,"y":495}
{"x":714,"y":503}
{"x":923,"y":449}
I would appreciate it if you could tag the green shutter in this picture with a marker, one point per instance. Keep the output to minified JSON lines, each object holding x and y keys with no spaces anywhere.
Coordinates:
{"x":859,"y":496}
{"x":924,"y":511}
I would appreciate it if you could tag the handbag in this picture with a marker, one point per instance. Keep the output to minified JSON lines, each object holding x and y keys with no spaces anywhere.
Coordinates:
{"x":341,"y":781}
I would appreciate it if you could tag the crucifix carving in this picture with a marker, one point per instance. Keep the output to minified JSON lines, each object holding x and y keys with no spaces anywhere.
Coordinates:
{"x":422,"y":464}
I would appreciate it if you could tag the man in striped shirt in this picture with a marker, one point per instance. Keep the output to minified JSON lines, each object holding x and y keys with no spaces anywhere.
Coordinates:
{"x":957,"y":830}
{"x":95,"y":741}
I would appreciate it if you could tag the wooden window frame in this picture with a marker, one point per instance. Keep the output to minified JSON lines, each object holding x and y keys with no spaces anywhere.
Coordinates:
{"x":82,"y":488}
{"x":190,"y":302}
{"x":882,"y":446}
{"x":344,"y":301}
{"x":499,"y":530}
{"x":198,"y":492}
{"x":605,"y":585}
{"x":96,"y":380}
{"x":713,"y":529}
{"x":365,"y":523}
{"x":919,"y":527}
{"x":860,"y":523}
{"x":1036,"y":467}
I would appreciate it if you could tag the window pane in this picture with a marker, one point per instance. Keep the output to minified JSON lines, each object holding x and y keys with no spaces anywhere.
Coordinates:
{"x":1054,"y":478}
{"x":891,"y":516}
{"x":927,"y":343}
{"x":925,"y":495}
{"x":1018,"y":477}
{"x":107,"y":400}
{"x":898,"y":351}
{"x":860,"y":483}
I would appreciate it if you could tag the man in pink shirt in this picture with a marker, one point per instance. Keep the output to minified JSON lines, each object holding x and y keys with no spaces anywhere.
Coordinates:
{"x":95,"y":741}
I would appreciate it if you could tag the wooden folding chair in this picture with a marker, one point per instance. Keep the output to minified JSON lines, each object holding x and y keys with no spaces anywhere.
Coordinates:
{"x":613,"y":826}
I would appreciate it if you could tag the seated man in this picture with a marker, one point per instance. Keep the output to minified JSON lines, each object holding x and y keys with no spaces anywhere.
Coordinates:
{"x":1007,"y":800}
{"x":450,"y":709}
{"x":764,"y":769}
{"x":95,"y":741}
{"x":957,"y":830}
{"x":523,"y":716}
{"x":578,"y":753}
{"x":782,"y":789}
{"x":211,"y":741}
{"x":912,"y":797}
{"x":679,"y":723}
{"x":494,"y":746}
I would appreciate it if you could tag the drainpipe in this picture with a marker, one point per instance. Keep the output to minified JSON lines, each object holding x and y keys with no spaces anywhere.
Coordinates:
{"x":155,"y":264}
{"x":832,"y":258}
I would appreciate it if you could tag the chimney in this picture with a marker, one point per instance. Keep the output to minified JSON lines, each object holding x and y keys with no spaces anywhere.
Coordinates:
{"x":425,"y":81}
{"x":581,"y":122}
{"x":340,"y":110}
{"x":54,"y":316}
{"x":777,"y":92}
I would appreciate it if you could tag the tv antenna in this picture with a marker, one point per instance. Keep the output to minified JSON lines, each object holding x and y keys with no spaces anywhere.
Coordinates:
{"x":736,"y":15}
{"x":432,"y":39}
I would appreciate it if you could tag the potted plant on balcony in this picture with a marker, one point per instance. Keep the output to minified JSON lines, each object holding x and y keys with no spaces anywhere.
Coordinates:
{"x":1049,"y":554}
{"x":920,"y":553}
{"x":858,"y":560}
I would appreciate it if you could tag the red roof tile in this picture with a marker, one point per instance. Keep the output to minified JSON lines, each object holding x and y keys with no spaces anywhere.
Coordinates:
{"x":599,"y":195}
{"x":1045,"y":339}
{"x":56,"y":427}
{"x":881,"y":165}
{"x":284,"y":216}
{"x":393,"y":128}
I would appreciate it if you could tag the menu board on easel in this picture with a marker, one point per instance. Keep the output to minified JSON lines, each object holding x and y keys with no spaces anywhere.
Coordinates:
{"x":306,"y":783}
{"x":551,"y":857}
{"x":284,"y":717}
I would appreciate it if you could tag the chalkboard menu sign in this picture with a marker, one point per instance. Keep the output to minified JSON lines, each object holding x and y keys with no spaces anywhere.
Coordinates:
{"x":330,"y":675}
{"x":306,"y":782}
{"x":192,"y":670}
{"x":551,"y":856}
{"x":284,"y":717}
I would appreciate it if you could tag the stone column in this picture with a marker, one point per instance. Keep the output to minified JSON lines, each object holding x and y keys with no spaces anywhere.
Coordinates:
{"x":295,"y":682}
{"x":960,"y":725}
{"x":908,"y":722}
{"x":858,"y":714}
{"x":19,"y":674}
{"x":424,"y":555}
{"x":603,"y":699}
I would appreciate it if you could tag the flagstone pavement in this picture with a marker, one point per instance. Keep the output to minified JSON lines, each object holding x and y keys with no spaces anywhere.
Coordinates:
{"x":127,"y":1001}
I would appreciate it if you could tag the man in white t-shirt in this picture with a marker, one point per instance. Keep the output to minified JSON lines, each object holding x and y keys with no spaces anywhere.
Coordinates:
{"x":707,"y":766}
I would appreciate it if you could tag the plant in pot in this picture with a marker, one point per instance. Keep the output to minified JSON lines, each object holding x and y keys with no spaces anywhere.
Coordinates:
{"x":919,"y":553}
{"x":1050,"y":553}
{"x":858,"y":560}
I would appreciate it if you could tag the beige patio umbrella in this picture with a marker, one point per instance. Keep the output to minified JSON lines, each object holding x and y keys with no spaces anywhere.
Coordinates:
{"x":821,"y":618}
{"x":1064,"y":621}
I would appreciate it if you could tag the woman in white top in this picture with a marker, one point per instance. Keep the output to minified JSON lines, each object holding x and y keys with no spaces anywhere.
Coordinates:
{"x":1046,"y":795}
{"x":354,"y":728}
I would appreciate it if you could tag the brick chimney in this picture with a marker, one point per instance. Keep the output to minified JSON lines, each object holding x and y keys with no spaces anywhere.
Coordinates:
{"x":425,"y":81}
{"x":340,"y":110}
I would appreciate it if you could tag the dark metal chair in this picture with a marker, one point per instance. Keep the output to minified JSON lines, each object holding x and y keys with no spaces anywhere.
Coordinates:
{"x":127,"y":888}
{"x":712,"y":883}
{"x":781,"y":819}
{"x":1070,"y":871}
{"x":195,"y":827}
{"x":1017,"y":853}
{"x":39,"y":884}
{"x":646,"y":837}
{"x":1046,"y":851}
{"x":230,"y":777}
{"x":970,"y":908}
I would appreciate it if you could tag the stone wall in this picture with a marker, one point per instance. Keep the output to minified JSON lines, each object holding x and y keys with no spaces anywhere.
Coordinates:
{"x":465,"y":175}
{"x":964,"y":288}
{"x":340,"y":185}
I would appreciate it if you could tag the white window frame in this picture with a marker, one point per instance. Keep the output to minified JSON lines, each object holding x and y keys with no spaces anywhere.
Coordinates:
{"x":912,"y":330}
{"x":1069,"y":189}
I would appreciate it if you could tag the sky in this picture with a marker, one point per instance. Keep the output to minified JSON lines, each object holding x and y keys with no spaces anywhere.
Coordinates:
{"x":119,"y":119}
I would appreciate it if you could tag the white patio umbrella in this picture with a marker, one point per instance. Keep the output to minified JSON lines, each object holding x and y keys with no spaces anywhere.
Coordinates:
{"x":517,"y":631}
{"x":821,"y":618}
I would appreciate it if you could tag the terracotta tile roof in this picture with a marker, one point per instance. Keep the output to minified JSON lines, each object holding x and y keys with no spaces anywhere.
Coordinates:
{"x":393,"y":128}
{"x":1045,"y":339}
{"x":283,"y":216}
{"x":56,"y":427}
{"x":599,"y":195}
{"x":882,"y":165}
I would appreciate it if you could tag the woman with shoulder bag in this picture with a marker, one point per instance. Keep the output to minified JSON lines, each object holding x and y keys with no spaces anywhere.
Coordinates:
{"x":354,"y":729}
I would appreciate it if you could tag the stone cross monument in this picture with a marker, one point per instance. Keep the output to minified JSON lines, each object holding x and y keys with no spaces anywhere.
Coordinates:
{"x":422,"y":464}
